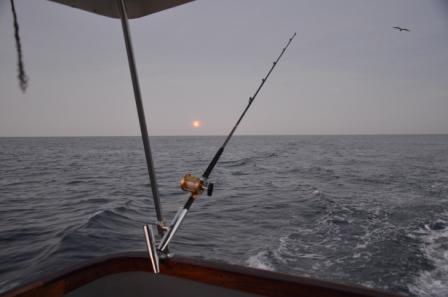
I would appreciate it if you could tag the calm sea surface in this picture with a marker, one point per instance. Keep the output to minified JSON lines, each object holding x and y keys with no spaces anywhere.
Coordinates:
{"x":368,"y":210}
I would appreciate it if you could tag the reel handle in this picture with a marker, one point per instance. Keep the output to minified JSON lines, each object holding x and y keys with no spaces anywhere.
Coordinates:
{"x":210,"y":188}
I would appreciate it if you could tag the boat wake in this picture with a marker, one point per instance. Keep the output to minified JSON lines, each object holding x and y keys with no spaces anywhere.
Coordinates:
{"x":260,"y":261}
{"x":341,"y":243}
{"x":434,"y":282}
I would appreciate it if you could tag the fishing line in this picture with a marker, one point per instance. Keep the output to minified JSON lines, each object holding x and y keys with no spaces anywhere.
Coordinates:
{"x":218,"y":154}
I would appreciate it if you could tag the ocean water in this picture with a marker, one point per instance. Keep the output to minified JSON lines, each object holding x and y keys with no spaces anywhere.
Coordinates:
{"x":367,"y":210}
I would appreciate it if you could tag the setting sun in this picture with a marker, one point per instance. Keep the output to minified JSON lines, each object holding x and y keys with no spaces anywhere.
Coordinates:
{"x":196,"y":124}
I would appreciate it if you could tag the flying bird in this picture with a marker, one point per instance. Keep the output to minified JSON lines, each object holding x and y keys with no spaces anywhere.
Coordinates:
{"x":402,"y":29}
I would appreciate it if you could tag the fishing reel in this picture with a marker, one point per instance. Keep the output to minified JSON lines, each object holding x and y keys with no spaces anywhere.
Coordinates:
{"x":195,"y":185}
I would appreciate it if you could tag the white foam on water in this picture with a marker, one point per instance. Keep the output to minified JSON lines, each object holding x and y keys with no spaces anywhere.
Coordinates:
{"x":96,"y":213}
{"x":260,"y":261}
{"x":361,"y":245}
{"x":434,"y":283}
{"x":282,"y":248}
{"x":279,"y":255}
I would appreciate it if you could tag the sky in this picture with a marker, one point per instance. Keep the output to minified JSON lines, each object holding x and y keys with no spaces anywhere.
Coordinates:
{"x":347,"y":72}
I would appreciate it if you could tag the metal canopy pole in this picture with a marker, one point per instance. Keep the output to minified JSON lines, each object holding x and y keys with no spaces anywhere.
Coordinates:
{"x":141,"y":113}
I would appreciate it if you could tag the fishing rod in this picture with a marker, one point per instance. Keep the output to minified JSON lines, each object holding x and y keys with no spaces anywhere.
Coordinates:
{"x":195,"y":185}
{"x":218,"y":154}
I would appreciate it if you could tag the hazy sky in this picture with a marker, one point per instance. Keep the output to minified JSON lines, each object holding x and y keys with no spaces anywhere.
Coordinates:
{"x":347,"y":72}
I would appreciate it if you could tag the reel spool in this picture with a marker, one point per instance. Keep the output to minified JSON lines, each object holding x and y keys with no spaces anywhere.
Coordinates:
{"x":195,"y":185}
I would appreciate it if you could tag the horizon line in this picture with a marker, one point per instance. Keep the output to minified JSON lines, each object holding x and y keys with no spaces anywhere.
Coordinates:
{"x":224,"y":135}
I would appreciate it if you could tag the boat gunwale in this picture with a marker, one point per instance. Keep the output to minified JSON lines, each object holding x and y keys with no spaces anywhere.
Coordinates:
{"x":214,"y":273}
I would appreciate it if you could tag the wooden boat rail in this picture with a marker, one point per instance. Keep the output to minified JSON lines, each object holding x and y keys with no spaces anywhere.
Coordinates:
{"x":244,"y":279}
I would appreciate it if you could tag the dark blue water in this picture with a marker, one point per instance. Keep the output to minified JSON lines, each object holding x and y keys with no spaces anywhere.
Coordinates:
{"x":368,"y":210}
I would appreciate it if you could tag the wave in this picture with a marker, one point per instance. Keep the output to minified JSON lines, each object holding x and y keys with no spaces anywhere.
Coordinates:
{"x":434,"y":282}
{"x":248,"y":160}
{"x":236,"y":163}
{"x":260,"y":261}
{"x":76,"y":182}
{"x":108,"y":218}
{"x":6,"y":285}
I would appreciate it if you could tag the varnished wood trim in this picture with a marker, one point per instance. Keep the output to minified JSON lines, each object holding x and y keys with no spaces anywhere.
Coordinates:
{"x":244,"y":279}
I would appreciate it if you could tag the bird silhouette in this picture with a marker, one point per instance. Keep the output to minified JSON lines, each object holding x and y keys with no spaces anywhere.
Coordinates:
{"x":402,"y":29}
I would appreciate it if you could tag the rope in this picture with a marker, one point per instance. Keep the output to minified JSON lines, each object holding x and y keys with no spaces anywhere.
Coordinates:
{"x":23,"y":79}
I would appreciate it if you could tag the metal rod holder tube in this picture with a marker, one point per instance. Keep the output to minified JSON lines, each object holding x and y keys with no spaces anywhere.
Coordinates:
{"x":152,"y":251}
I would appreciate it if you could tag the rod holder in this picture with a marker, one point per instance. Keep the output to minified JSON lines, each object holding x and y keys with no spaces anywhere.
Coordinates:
{"x":152,"y":250}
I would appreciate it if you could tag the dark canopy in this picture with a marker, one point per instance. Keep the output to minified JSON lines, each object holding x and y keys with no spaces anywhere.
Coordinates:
{"x":135,"y":8}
